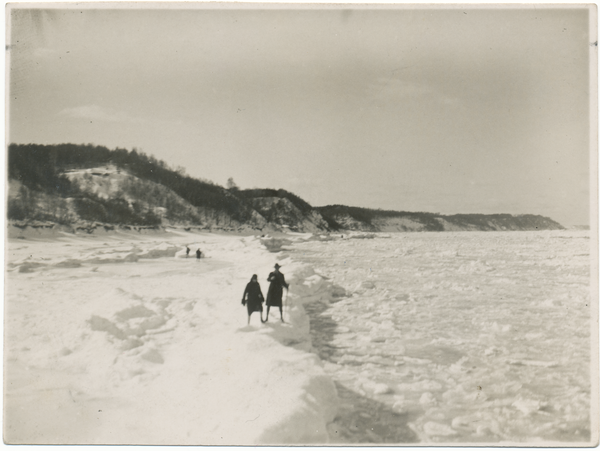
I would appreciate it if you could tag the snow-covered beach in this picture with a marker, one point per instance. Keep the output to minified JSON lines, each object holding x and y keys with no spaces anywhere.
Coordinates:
{"x":431,"y":337}
{"x":122,"y":339}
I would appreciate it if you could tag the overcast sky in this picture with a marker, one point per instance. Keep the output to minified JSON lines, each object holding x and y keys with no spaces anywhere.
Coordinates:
{"x":441,"y":110}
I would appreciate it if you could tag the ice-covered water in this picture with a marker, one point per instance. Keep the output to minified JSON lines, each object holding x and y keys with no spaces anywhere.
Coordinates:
{"x":423,"y":337}
{"x":456,"y":337}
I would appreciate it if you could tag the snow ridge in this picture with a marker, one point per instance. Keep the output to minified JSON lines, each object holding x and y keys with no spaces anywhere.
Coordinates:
{"x":154,"y":347}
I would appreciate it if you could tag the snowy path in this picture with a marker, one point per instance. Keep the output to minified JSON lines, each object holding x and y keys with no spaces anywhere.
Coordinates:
{"x":462,"y":337}
{"x":121,"y":339}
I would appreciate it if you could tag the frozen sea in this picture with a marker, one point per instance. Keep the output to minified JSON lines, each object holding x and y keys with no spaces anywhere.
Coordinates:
{"x":456,"y":337}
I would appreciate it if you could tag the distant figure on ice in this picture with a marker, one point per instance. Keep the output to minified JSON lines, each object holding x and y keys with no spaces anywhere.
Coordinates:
{"x":275,"y":293}
{"x":253,"y":297}
{"x":187,"y":252}
{"x":198,"y":254}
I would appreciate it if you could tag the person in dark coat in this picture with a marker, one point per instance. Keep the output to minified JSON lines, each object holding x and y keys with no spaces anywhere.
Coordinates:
{"x":275,"y":292}
{"x":198,"y":253}
{"x":253,"y":298}
{"x":187,"y":252}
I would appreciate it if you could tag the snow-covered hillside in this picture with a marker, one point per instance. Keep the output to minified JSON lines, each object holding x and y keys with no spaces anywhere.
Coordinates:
{"x":284,"y":213}
{"x":110,"y":182}
{"x":370,"y":220}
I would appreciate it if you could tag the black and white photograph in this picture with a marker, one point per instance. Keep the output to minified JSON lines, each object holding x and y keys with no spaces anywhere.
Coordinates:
{"x":301,"y":224}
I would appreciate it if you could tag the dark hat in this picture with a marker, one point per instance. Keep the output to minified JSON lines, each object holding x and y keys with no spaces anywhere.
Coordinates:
{"x":277,"y":266}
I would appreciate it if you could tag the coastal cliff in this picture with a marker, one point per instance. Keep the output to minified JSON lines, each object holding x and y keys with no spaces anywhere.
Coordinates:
{"x":364,"y":219}
{"x":90,"y":188}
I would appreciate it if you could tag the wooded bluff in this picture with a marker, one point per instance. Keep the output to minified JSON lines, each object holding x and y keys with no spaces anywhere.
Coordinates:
{"x":87,"y":187}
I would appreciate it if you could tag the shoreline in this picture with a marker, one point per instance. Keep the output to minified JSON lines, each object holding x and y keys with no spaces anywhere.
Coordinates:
{"x":48,"y":229}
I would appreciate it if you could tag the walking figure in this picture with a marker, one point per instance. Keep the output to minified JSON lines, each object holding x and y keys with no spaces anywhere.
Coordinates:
{"x":275,"y":292}
{"x":253,"y":297}
{"x":187,"y":252}
{"x":198,"y":254}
